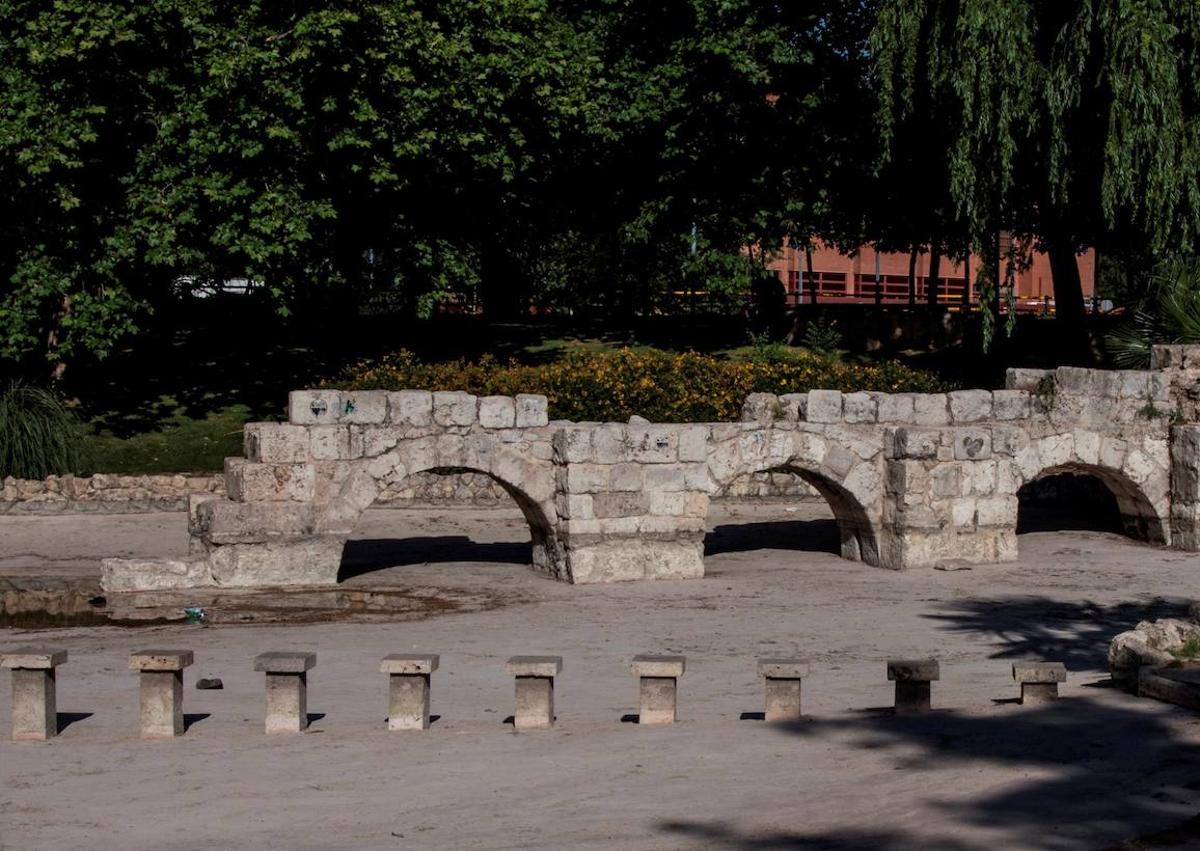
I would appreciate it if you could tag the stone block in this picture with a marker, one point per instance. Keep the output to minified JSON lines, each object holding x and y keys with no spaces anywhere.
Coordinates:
{"x":453,"y":408}
{"x":34,"y":691}
{"x":624,"y":504}
{"x":534,"y":677}
{"x":364,"y":407}
{"x":276,"y":443}
{"x":653,"y":444}
{"x":913,"y":678}
{"x":1075,"y":380}
{"x":160,"y":689}
{"x":573,"y":445}
{"x":1010,"y":404}
{"x":286,"y":689}
{"x":931,"y":409}
{"x":497,"y":412}
{"x":916,"y":444}
{"x":783,"y":681}
{"x":408,"y":689}
{"x":410,"y":407}
{"x":532,"y":411}
{"x":672,"y":504}
{"x":972,"y":444}
{"x":657,"y":687}
{"x":970,"y":406}
{"x":793,"y":406}
{"x":314,"y":407}
{"x":248,"y":482}
{"x":761,"y":408}
{"x":1039,"y":680}
{"x":329,"y":443}
{"x":895,"y":407}
{"x":693,"y":443}
{"x":1027,"y":379}
{"x":859,"y":408}
{"x":824,"y":406}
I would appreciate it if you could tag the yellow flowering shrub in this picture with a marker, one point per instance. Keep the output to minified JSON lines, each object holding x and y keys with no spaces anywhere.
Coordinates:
{"x":660,"y":386}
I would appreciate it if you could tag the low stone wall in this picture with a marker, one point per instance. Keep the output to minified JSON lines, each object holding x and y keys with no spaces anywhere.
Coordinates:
{"x":112,"y":494}
{"x":105,"y":494}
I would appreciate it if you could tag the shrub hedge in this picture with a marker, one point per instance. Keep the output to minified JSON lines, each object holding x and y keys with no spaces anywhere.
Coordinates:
{"x":660,"y":386}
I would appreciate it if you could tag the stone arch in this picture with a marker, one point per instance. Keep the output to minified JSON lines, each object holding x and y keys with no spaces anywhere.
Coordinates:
{"x":530,"y":484}
{"x":1139,"y":518}
{"x":1138,"y":480}
{"x":850,"y":484}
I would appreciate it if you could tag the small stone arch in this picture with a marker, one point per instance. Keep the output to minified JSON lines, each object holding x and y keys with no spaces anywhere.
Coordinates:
{"x":530,"y":484}
{"x":1139,"y":516}
{"x":851,"y":486}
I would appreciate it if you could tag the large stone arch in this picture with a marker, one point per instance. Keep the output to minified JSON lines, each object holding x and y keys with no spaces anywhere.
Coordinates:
{"x":1135,"y":471}
{"x":352,"y":487}
{"x":845,"y":472}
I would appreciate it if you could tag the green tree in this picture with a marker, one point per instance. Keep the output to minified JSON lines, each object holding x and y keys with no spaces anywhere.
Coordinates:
{"x":1073,"y":124}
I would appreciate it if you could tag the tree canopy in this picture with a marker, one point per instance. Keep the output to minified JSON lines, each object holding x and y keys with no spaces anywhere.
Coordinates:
{"x":598,"y":154}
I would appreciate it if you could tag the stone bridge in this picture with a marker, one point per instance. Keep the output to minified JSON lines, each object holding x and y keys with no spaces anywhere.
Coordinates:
{"x":912,"y":479}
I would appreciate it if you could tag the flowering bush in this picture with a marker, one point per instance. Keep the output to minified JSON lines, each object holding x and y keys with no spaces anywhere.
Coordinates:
{"x":660,"y":386}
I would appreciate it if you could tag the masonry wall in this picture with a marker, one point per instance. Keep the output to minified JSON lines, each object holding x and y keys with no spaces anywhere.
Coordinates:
{"x":913,"y":479}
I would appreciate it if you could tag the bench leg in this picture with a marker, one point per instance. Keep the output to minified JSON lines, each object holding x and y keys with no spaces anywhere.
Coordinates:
{"x":409,"y":705}
{"x":658,"y":700}
{"x":783,"y":699}
{"x":287,"y":703}
{"x":535,"y":703}
{"x":912,"y":696}
{"x":34,"y":704}
{"x":161,"y":704}
{"x":1033,"y":693}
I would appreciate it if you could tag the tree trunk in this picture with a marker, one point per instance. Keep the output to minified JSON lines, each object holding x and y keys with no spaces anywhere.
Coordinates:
{"x":912,"y":276}
{"x":808,"y":270}
{"x":1068,"y":296}
{"x":501,"y":285}
{"x":935,"y":269}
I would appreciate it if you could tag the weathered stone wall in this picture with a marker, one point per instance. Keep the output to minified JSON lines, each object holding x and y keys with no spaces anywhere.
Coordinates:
{"x":913,"y":479}
{"x":117,"y":494}
{"x":106,"y":494}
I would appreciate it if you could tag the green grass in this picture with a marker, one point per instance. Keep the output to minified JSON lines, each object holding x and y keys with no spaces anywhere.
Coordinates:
{"x":181,"y":444}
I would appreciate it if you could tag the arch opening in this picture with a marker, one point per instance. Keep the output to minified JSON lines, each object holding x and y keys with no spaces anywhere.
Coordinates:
{"x":836,"y":521}
{"x":483,"y":534}
{"x":1087,"y":498}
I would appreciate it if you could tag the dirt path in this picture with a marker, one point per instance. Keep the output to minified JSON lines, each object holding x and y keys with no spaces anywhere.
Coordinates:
{"x":1096,"y":768}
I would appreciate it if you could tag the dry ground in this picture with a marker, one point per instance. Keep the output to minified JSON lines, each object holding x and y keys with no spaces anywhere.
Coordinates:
{"x":1092,"y":770}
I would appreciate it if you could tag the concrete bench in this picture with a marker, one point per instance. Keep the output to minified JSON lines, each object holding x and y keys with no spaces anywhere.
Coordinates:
{"x":783,"y":678}
{"x":912,"y":678}
{"x":1039,"y":680}
{"x":287,"y":689}
{"x":657,"y":687}
{"x":535,"y":689}
{"x":160,"y":686}
{"x":34,"y":691}
{"x":408,"y":689}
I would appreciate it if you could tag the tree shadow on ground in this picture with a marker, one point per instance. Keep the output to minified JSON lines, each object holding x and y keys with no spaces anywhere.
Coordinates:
{"x":1076,"y":633}
{"x":1091,"y":773}
{"x":372,"y":554}
{"x":799,"y":535}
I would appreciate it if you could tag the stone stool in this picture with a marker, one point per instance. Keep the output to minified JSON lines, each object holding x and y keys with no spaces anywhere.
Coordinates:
{"x":535,"y":689}
{"x":34,"y":691}
{"x":657,"y":689}
{"x":783,"y":678}
{"x":408,"y":691}
{"x":161,"y":690}
{"x":1039,"y":680}
{"x":912,"y":678}
{"x":287,"y":689}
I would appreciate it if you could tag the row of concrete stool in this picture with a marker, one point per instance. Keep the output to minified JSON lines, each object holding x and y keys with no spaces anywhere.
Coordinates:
{"x":34,"y":712}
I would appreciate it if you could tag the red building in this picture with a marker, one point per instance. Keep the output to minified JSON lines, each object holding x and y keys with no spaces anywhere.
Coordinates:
{"x":842,"y":278}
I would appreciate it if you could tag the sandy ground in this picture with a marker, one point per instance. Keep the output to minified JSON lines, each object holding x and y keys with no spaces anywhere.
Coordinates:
{"x":1092,"y":770}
